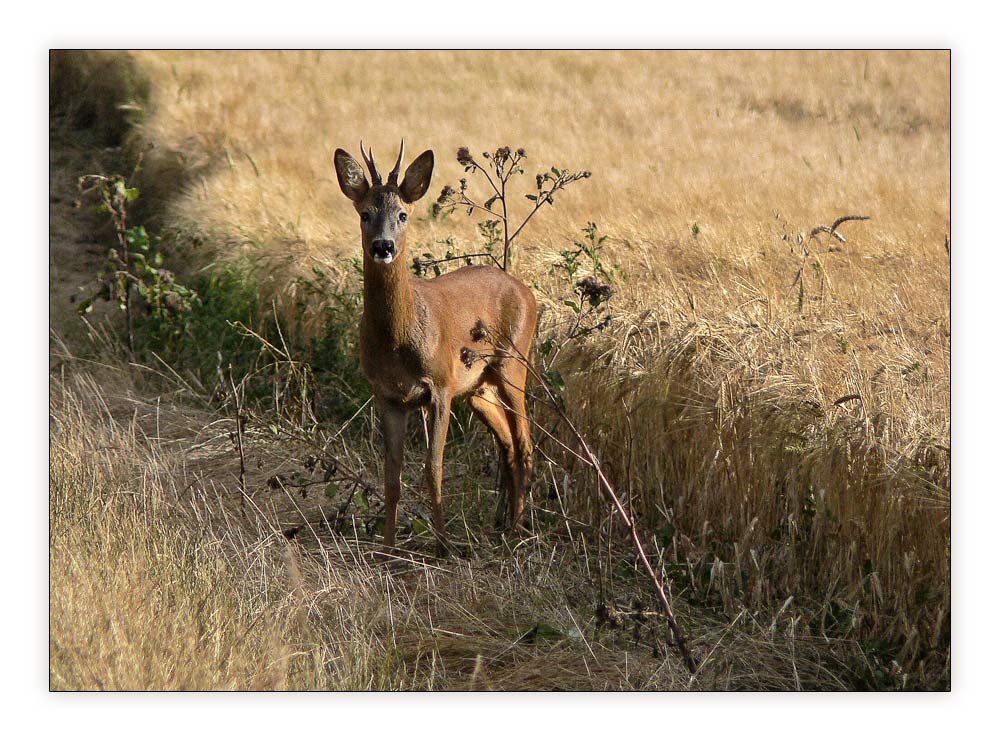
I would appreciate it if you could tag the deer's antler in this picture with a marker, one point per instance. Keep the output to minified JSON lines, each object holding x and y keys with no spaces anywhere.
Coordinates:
{"x":394,"y":175}
{"x":370,"y":161}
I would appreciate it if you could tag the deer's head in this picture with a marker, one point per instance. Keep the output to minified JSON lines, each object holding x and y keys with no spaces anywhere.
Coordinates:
{"x":383,"y":207}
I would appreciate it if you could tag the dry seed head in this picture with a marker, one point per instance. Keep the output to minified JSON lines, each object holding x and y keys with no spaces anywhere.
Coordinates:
{"x":446,"y":193}
{"x":594,"y":291}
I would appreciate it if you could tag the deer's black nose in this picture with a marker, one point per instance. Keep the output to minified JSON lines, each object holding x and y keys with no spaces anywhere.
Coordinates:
{"x":383,"y":250}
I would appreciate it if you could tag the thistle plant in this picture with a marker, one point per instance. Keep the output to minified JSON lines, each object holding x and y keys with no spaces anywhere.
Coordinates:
{"x":498,"y":169}
{"x":582,"y":267}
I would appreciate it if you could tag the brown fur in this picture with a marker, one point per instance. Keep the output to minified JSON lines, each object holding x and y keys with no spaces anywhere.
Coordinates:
{"x":425,"y":343}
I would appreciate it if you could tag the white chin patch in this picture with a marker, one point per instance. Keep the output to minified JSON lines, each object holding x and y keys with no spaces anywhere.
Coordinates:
{"x":383,"y":260}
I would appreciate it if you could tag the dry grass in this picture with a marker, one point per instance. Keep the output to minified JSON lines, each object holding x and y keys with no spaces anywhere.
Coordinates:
{"x":730,"y":346}
{"x":158,"y":582}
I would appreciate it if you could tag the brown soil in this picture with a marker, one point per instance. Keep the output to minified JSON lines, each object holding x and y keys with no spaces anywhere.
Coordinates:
{"x":78,"y":241}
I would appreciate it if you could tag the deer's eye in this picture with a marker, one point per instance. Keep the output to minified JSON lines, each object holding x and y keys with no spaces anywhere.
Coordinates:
{"x":366,"y":217}
{"x":402,"y":216}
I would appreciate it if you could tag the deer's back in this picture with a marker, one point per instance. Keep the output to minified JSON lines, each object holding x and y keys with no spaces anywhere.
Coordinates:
{"x":473,"y":308}
{"x":480,"y":294}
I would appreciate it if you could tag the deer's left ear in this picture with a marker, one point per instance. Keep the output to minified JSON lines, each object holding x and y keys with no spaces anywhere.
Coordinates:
{"x":418,"y":178}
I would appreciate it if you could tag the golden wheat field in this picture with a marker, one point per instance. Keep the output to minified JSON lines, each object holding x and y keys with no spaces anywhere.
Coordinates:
{"x":773,"y":399}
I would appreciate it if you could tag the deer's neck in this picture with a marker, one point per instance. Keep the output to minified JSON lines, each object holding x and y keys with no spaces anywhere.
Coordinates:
{"x":389,"y":308}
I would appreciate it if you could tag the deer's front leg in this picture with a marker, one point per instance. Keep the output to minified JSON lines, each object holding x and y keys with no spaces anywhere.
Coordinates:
{"x":438,"y":417}
{"x":394,"y":434}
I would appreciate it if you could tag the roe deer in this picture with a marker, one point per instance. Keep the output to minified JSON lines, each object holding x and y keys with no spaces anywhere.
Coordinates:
{"x":425,"y":343}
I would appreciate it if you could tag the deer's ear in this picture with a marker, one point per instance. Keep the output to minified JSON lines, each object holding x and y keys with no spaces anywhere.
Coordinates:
{"x":418,"y":178}
{"x":350,"y":176}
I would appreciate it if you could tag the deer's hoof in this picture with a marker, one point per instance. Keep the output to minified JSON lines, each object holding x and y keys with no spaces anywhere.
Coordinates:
{"x":444,"y":549}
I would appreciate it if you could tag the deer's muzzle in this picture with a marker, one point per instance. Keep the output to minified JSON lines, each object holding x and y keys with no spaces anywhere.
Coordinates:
{"x":383,"y":250}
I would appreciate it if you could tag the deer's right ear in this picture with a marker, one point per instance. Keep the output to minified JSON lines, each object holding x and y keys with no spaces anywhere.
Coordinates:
{"x":350,"y":176}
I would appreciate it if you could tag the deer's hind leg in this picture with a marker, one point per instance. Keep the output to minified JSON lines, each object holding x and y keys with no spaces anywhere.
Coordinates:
{"x":512,"y":397}
{"x":486,"y":404}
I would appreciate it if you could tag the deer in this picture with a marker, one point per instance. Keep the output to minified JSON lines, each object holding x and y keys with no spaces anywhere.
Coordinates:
{"x":426,"y":342}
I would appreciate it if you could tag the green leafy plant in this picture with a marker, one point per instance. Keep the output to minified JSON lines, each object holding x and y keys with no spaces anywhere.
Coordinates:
{"x":583,"y":267}
{"x":134,"y":268}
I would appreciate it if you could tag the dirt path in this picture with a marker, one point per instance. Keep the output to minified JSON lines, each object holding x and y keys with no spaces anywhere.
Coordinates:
{"x":77,"y":246}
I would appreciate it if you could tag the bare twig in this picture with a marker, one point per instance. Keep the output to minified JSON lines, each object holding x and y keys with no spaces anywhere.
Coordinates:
{"x":240,"y":420}
{"x":422,"y":264}
{"x":608,"y":491}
